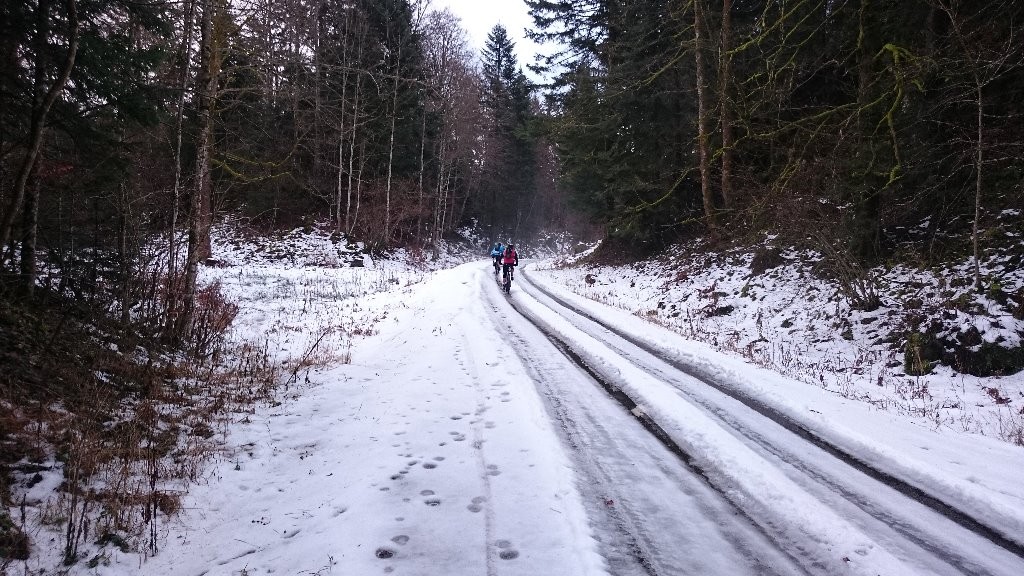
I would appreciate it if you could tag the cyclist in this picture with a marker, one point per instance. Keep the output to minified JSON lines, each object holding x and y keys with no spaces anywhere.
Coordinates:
{"x":509,"y":261}
{"x":496,"y":253}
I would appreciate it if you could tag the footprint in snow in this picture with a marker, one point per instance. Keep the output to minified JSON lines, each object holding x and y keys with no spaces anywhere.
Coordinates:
{"x":429,"y":465}
{"x":507,"y":552}
{"x":401,"y":539}
{"x":432,"y":501}
{"x":427,"y":493}
{"x":476,"y":504}
{"x":492,"y":470}
{"x":384,"y":553}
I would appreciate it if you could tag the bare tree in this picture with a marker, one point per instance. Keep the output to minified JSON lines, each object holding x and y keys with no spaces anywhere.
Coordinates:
{"x":985,"y":63}
{"x":703,"y":144}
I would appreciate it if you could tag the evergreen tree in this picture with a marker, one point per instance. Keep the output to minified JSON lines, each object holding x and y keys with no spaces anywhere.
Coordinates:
{"x":75,"y":85}
{"x":509,"y":165}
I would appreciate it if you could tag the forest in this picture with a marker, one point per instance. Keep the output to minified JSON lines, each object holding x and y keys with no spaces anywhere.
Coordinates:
{"x":885,"y":129}
{"x":871,"y":131}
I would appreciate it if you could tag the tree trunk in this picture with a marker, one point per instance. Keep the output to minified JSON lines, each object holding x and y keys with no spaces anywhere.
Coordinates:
{"x":341,"y":225}
{"x":439,"y":201}
{"x":866,"y":236}
{"x":702,"y":115}
{"x":359,"y":183}
{"x":173,"y":296}
{"x":419,"y":207}
{"x":206,"y":83}
{"x":349,"y":220}
{"x":725,"y":73}
{"x":391,"y":155}
{"x":30,"y":219}
{"x":123,"y":256}
{"x":198,"y":248}
{"x":978,"y":157}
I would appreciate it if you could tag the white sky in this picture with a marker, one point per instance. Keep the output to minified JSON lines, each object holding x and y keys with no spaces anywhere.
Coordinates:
{"x":480,"y":16}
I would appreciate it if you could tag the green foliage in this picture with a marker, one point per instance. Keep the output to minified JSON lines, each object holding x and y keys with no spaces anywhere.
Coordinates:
{"x":857,"y":120}
{"x":920,"y":354}
{"x":508,"y":179}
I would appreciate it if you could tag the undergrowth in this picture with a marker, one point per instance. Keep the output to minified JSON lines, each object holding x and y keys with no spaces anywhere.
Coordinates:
{"x":102,"y":431}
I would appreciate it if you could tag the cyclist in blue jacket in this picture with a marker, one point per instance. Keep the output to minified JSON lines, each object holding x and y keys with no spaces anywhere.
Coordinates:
{"x":496,"y":252}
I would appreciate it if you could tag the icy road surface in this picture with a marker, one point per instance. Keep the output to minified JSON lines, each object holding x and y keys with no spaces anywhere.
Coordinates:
{"x":466,"y":440}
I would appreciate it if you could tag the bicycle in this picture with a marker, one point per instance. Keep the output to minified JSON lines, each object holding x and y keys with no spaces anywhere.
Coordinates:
{"x":497,"y":265}
{"x":506,"y":279}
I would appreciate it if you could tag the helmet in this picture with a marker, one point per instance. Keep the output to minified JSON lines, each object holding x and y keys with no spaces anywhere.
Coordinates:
{"x":512,"y":246}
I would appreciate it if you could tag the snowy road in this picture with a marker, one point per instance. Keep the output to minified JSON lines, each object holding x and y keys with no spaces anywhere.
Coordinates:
{"x":652,"y":513}
{"x":809,"y":496}
{"x":465,"y":439}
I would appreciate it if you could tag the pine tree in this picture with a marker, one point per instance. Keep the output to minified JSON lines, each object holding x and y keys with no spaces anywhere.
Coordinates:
{"x":509,"y":163}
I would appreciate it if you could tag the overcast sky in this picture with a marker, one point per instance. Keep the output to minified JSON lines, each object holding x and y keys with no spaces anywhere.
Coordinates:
{"x":479,"y":16}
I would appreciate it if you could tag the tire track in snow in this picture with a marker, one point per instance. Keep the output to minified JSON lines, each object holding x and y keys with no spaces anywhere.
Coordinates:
{"x":935,"y":503}
{"x":630,"y":539}
{"x":626,"y":530}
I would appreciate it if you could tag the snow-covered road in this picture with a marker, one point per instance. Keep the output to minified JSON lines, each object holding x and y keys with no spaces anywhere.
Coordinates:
{"x":817,"y":501}
{"x":463,"y":441}
{"x":651,"y":512}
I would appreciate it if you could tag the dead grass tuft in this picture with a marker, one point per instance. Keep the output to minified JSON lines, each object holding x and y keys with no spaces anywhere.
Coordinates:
{"x":121,"y":430}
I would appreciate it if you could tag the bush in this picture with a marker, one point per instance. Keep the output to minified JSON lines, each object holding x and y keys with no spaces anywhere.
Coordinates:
{"x":14,"y":543}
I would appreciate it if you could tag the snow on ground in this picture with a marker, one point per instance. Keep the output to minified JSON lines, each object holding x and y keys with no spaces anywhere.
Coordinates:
{"x":425,"y":448}
{"x":426,"y":455}
{"x":430,"y":453}
{"x":789,"y":320}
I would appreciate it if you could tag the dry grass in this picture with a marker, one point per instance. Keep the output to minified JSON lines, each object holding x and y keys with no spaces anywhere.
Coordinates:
{"x":124,"y":438}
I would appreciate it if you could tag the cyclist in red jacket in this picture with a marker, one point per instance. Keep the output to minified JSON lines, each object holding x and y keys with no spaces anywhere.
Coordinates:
{"x":509,"y":260}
